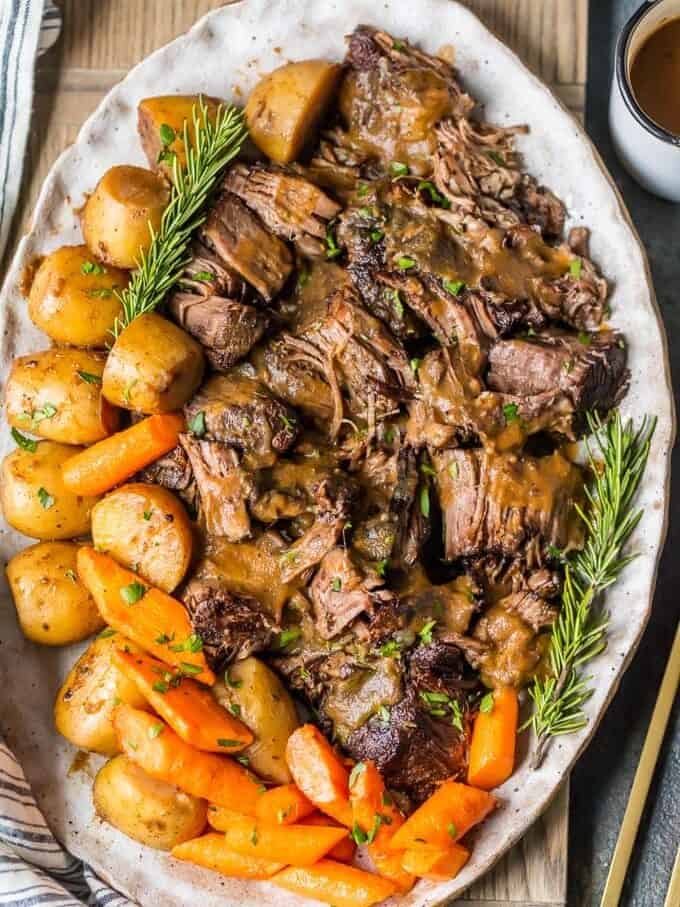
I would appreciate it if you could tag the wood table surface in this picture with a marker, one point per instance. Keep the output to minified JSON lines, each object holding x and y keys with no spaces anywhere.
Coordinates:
{"x":102,"y":39}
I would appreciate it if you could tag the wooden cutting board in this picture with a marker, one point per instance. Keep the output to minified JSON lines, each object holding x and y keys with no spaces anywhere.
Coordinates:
{"x":100,"y":41}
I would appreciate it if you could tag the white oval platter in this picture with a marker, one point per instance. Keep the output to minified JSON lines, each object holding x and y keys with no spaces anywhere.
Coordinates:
{"x":223,"y":55}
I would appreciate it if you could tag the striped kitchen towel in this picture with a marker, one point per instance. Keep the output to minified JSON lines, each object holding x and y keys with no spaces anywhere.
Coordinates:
{"x":34,"y":869}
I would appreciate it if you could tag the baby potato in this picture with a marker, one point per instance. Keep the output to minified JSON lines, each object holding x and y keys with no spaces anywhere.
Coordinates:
{"x":145,"y":528}
{"x":56,"y":394}
{"x":53,"y":606}
{"x":160,"y":123}
{"x":73,"y":297}
{"x":88,"y":696}
{"x":149,"y":811}
{"x":267,"y":709}
{"x":286,"y":106}
{"x":33,"y":496}
{"x":153,"y":367}
{"x":116,"y":217}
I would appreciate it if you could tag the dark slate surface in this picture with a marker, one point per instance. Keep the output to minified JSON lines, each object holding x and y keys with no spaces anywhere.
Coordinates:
{"x":601,"y":781}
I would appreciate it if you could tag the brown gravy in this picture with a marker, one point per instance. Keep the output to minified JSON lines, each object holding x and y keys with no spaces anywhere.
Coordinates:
{"x":655,"y":76}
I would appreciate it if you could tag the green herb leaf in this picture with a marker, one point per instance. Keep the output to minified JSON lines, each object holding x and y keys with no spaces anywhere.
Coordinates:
{"x":332,"y":248}
{"x":45,"y":498}
{"x":575,"y":267}
{"x":196,"y":425}
{"x":303,"y":277}
{"x":390,"y":649}
{"x":453,"y":470}
{"x":510,"y":411}
{"x":254,"y":837}
{"x":203,"y":276}
{"x":48,"y":411}
{"x":585,"y":338}
{"x":72,"y":576}
{"x":452,"y":830}
{"x":167,"y":134}
{"x":383,"y":714}
{"x":404,"y":263}
{"x":362,"y":190}
{"x":486,"y":704}
{"x":415,"y":364}
{"x":234,"y":684}
{"x":188,"y":668}
{"x":381,"y":566}
{"x":425,"y":501}
{"x":356,"y":771}
{"x":106,"y":632}
{"x":425,"y":633}
{"x":244,"y":760}
{"x":336,"y":585}
{"x":23,"y":442}
{"x":132,"y":593}
{"x":455,"y":287}
{"x":376,"y":235}
{"x":398,"y":304}
{"x":437,"y":197}
{"x":89,"y":378}
{"x":92,"y":267}
{"x":397,"y":168}
{"x":235,"y":709}
{"x":228,"y":744}
{"x":160,"y":686}
{"x":147,"y":515}
{"x":286,"y":637}
{"x":497,"y":158}
{"x":155,"y":730}
{"x":99,"y":292}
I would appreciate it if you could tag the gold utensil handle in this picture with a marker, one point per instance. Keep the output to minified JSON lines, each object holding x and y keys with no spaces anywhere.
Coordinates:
{"x":642,"y":781}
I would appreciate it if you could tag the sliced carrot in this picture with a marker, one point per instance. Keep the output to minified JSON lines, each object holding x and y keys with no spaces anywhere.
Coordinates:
{"x":220,"y":817}
{"x":492,"y":750}
{"x":297,"y":844}
{"x":212,"y":852}
{"x":109,"y":462}
{"x":319,"y":772}
{"x":158,"y":750}
{"x":335,"y":883}
{"x":343,"y":851}
{"x":151,"y":618}
{"x":378,"y":819}
{"x":444,"y":817}
{"x":283,"y":805}
{"x":434,"y":864}
{"x":189,"y":708}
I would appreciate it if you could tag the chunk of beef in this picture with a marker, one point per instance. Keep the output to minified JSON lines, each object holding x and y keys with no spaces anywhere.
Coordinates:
{"x":334,"y":501}
{"x":223,"y":487}
{"x":531,"y":607}
{"x":240,"y":412}
{"x":226,"y":329}
{"x":238,"y":237}
{"x":411,"y":515}
{"x":231,"y":626}
{"x":391,"y":99}
{"x":295,"y":379}
{"x":290,"y":206}
{"x":290,"y":488}
{"x":207,"y":275}
{"x":589,"y":369}
{"x":340,"y":592}
{"x":173,"y":471}
{"x":506,"y":503}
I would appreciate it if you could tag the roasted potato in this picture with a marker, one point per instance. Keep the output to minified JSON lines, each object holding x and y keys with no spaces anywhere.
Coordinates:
{"x":73,"y":297}
{"x":153,"y":367}
{"x":53,"y":606}
{"x":286,"y":106}
{"x":93,"y":688}
{"x":267,"y":709}
{"x":56,"y":394}
{"x":33,"y":496}
{"x":149,"y":811}
{"x":145,"y":528}
{"x":160,"y":123}
{"x":116,"y":217}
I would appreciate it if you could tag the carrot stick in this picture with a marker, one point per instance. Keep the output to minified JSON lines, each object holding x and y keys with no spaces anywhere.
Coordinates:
{"x":109,"y":462}
{"x":212,"y":852}
{"x":492,"y":750}
{"x":283,"y":805}
{"x":377,"y":819}
{"x":189,"y":709}
{"x":319,"y":773}
{"x":297,"y":844}
{"x":158,"y":750}
{"x":444,"y":817}
{"x":335,"y":883}
{"x":151,"y":618}
{"x":344,"y":851}
{"x":434,"y":864}
{"x":220,"y":817}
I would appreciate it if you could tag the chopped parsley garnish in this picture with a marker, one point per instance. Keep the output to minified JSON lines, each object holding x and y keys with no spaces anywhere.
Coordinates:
{"x":167,"y":134}
{"x":390,"y":649}
{"x":377,"y":235}
{"x":290,"y":424}
{"x":554,"y":552}
{"x":24,"y":443}
{"x":486,"y":704}
{"x":48,"y":411}
{"x":106,"y":632}
{"x":510,"y":411}
{"x":155,"y":730}
{"x":366,"y":212}
{"x":286,"y":637}
{"x":332,"y":248}
{"x":164,"y":638}
{"x":132,"y":593}
{"x":244,"y":760}
{"x":381,"y":566}
{"x":575,"y":268}
{"x":147,"y":515}
{"x":398,"y":45}
{"x":45,"y":498}
{"x":383,"y":714}
{"x":584,"y":338}
{"x":160,"y":686}
{"x":454,"y":286}
{"x":453,"y":470}
{"x":336,"y":585}
{"x":235,"y":709}
{"x":425,"y":633}
{"x":254,"y":837}
{"x":427,"y":470}
{"x":230,"y":682}
{"x":203,"y":276}
{"x":303,"y":277}
{"x":92,"y":267}
{"x":397,"y":168}
{"x":89,"y":378}
{"x":452,"y":830}
{"x":497,"y":158}
{"x":358,"y":835}
{"x":405,"y":263}
{"x":398,"y":304}
{"x":188,"y":668}
{"x":415,"y":364}
{"x":99,"y":293}
{"x":389,"y":435}
{"x":425,"y":501}
{"x":72,"y":576}
{"x":437,"y":197}
{"x":228,"y":744}
{"x":362,"y":190}
{"x":197,"y":425}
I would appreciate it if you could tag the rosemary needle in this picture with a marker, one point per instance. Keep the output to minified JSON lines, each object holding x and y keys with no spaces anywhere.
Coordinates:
{"x":579,"y":632}
{"x":161,"y":266}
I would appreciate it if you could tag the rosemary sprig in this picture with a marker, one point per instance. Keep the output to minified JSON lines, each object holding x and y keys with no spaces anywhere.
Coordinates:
{"x":158,"y":270}
{"x":579,"y":633}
